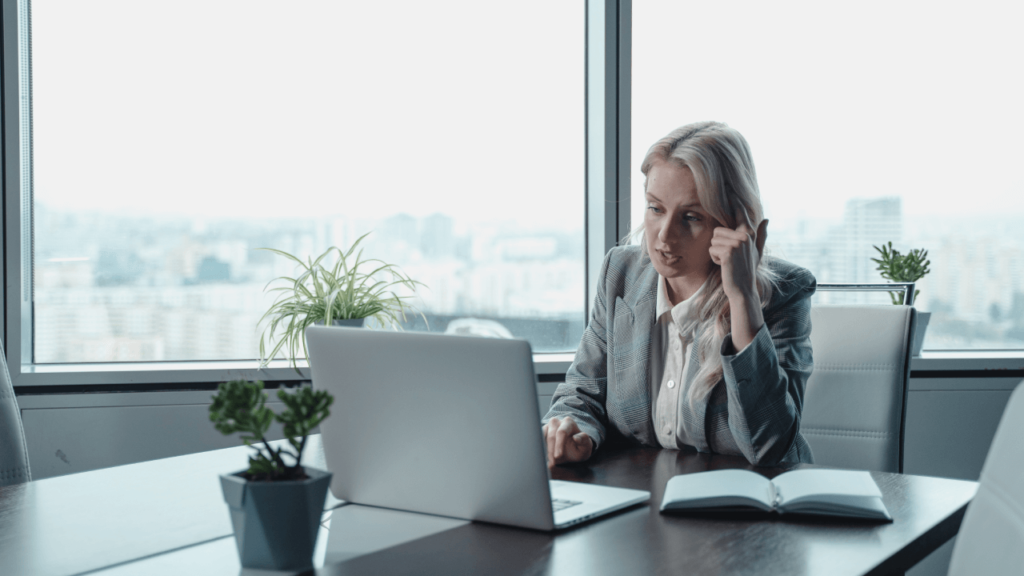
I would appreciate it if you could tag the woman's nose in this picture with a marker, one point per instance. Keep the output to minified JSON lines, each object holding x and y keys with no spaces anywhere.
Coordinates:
{"x":666,"y":233}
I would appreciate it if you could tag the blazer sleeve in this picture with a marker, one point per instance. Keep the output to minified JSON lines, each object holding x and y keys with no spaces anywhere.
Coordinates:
{"x":585,"y":389}
{"x":765,"y":381}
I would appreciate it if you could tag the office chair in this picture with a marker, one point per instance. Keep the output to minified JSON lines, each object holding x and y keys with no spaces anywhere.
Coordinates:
{"x":991,"y":538}
{"x":13,"y":451}
{"x":855,"y":403}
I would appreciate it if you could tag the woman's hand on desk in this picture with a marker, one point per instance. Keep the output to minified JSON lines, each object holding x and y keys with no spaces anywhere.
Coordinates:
{"x":565,"y":442}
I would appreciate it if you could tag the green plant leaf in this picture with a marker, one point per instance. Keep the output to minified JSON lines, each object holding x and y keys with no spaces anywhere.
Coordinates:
{"x":897,"y":267}
{"x":351,"y":287}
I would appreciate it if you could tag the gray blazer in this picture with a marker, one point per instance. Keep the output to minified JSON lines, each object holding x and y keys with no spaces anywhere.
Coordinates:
{"x":607,"y":389}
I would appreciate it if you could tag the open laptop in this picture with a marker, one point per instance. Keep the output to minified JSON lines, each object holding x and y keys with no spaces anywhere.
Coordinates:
{"x":444,"y":425}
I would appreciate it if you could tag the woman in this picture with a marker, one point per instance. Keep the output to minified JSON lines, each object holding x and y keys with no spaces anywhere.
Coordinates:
{"x":694,"y":339}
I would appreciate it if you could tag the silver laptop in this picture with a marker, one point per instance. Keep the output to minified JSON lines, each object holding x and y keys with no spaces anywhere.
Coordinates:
{"x":444,"y":425}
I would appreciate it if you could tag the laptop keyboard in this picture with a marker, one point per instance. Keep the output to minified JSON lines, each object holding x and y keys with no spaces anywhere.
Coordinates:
{"x":559,"y":504}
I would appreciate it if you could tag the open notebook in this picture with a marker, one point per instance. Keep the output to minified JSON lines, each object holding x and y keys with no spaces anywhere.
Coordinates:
{"x":846,"y":493}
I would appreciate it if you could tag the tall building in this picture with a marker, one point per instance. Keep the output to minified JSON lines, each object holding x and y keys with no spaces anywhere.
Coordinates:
{"x":437,"y":236}
{"x":868,"y":222}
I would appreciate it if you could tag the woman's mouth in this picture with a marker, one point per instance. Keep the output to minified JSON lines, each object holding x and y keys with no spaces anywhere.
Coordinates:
{"x":668,"y":257}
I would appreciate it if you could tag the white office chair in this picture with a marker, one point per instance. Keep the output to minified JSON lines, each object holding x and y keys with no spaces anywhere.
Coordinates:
{"x":13,"y":451}
{"x":991,"y":538}
{"x":855,"y":402}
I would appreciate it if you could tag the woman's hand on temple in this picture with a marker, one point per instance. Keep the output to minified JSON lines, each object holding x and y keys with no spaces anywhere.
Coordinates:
{"x":565,"y":442}
{"x":738,"y":252}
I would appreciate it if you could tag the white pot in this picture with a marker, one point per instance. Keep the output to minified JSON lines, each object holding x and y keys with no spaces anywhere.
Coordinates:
{"x":922,"y":324}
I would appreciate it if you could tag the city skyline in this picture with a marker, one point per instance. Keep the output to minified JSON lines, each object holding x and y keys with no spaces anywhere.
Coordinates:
{"x":113,"y":288}
{"x":172,"y":288}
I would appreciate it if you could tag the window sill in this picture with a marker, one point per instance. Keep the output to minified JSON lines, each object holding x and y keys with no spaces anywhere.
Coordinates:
{"x":548,"y":367}
{"x":996,"y":362}
{"x":199,"y":374}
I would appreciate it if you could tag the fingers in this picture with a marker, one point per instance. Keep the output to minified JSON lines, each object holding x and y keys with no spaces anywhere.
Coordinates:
{"x":566,"y":442}
{"x":728,"y":240}
{"x":725,"y":245}
{"x":584,"y":445}
{"x":565,"y":430}
{"x":718,"y":254}
{"x":742,"y":232}
{"x":549,"y":438}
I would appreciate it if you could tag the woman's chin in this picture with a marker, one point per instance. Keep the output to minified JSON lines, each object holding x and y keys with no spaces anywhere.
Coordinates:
{"x":667,"y":270}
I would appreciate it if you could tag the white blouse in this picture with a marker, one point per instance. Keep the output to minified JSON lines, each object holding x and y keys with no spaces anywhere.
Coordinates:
{"x":671,"y":343}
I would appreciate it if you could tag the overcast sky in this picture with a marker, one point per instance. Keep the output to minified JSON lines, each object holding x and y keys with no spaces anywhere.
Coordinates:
{"x":840,"y":100}
{"x":257,"y":108}
{"x":242,"y":108}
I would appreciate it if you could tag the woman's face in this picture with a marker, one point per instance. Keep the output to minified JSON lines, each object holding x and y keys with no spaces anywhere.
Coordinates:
{"x":677,"y":229}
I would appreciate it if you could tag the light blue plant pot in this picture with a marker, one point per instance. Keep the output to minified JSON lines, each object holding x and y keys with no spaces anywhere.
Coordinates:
{"x":276,"y":523}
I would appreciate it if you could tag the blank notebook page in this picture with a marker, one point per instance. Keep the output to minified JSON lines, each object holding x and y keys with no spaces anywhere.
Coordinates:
{"x":798,"y":484}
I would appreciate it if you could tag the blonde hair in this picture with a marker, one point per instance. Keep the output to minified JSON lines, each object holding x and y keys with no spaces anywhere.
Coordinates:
{"x":723,"y":171}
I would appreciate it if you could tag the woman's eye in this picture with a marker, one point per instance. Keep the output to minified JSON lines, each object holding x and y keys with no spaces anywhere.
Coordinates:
{"x":654,"y":209}
{"x":691,"y":218}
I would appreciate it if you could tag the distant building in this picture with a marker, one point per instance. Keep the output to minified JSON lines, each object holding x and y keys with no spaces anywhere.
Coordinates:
{"x":437,"y":237}
{"x":868,"y":222}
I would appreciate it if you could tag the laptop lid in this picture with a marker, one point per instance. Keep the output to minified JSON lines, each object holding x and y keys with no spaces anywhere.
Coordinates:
{"x":433,"y":423}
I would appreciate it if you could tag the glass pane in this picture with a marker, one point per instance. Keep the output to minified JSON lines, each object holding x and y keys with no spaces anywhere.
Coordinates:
{"x":869,"y":122}
{"x":173,"y":139}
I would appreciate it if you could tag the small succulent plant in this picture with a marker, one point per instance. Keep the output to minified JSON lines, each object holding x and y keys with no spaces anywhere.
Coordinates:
{"x":239,"y":406}
{"x":898,"y":267}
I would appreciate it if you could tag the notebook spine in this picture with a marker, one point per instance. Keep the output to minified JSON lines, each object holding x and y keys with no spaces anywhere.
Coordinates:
{"x":775,"y":496}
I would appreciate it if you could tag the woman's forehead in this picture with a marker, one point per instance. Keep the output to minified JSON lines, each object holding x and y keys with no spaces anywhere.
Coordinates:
{"x":672,"y":184}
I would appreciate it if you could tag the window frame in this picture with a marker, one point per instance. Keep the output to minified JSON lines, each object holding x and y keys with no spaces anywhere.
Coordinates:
{"x":606,"y":123}
{"x":607,"y":96}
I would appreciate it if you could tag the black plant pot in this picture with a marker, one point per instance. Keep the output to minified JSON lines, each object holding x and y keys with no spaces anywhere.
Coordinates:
{"x":345,"y":322}
{"x":351,"y":323}
{"x":276,"y":523}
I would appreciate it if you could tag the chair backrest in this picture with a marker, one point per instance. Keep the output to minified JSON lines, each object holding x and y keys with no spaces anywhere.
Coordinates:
{"x":13,"y":451}
{"x":991,"y":539}
{"x":856,"y":398}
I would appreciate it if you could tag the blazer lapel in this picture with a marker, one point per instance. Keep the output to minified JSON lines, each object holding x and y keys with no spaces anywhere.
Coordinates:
{"x":629,"y":382}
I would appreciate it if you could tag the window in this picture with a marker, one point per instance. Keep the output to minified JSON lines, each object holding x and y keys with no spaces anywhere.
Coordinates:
{"x":144,"y":164}
{"x":169,"y":141}
{"x":870,"y":122}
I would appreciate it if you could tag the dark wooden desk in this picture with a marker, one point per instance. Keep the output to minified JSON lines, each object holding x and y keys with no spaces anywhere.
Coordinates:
{"x":926,"y":511}
{"x":180,"y":526}
{"x":88,"y":521}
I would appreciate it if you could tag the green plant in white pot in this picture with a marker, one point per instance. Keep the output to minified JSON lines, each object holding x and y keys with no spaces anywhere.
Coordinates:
{"x":910,"y":267}
{"x":342,"y":294}
{"x":276,"y":503}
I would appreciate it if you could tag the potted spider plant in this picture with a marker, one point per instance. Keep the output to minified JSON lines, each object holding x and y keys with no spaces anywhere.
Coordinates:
{"x":276,"y":504}
{"x":910,"y":267}
{"x":344,"y":293}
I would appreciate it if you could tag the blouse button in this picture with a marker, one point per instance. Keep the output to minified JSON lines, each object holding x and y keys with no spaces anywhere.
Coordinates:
{"x":671,"y":383}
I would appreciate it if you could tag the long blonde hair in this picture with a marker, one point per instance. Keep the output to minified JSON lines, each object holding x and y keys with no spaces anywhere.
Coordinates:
{"x":723,"y":171}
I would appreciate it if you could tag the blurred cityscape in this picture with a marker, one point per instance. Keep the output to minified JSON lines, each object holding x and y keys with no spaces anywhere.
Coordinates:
{"x":118,"y":288}
{"x":975,"y":290}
